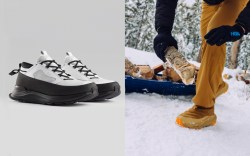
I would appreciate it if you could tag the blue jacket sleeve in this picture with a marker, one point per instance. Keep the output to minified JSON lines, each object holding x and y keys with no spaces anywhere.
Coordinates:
{"x":164,"y":15}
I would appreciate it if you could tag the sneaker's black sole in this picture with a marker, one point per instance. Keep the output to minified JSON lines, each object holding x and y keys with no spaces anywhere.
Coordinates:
{"x":21,"y":94}
{"x":112,"y":91}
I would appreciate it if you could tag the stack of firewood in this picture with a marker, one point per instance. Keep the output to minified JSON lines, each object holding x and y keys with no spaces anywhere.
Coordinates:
{"x":160,"y":72}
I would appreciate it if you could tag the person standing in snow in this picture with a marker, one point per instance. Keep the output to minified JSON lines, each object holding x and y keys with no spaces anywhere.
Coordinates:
{"x":221,"y":21}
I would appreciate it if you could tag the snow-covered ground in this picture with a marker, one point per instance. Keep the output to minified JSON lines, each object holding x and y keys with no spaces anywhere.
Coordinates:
{"x":151,"y":128}
{"x":188,"y":2}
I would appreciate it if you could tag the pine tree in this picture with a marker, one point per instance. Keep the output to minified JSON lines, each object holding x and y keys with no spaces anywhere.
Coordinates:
{"x":139,"y":24}
{"x":139,"y":29}
{"x":187,"y":29}
{"x":244,"y":54}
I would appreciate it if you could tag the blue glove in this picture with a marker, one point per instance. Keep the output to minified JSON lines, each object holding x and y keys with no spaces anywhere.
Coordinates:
{"x":223,"y":34}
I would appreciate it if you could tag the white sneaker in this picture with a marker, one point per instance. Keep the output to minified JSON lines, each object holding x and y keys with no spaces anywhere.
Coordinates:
{"x":107,"y":89}
{"x":47,"y":83}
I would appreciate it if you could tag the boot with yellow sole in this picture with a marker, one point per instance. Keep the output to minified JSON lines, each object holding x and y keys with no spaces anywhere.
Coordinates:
{"x":197,"y":117}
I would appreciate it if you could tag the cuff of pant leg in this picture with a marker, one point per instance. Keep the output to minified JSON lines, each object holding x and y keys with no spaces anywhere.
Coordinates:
{"x":203,"y":104}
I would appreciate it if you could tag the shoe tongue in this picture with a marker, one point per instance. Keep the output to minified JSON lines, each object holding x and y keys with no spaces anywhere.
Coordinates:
{"x":69,"y":57}
{"x":43,"y":57}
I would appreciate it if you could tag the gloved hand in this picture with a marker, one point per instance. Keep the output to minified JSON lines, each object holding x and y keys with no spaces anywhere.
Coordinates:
{"x":161,"y":42}
{"x":213,"y":2}
{"x":223,"y":34}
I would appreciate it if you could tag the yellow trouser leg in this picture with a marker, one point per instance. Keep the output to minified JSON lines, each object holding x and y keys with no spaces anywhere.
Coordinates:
{"x":209,"y":81}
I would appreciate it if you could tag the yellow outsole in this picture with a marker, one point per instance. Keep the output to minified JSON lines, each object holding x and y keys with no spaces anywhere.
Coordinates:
{"x":180,"y":123}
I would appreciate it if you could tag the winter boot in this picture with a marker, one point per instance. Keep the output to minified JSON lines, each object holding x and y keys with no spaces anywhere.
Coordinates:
{"x":184,"y":69}
{"x":46,"y":83}
{"x":197,"y":117}
{"x":107,"y":89}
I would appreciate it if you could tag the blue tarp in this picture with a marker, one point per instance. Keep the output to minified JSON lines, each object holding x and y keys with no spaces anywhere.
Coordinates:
{"x":160,"y":87}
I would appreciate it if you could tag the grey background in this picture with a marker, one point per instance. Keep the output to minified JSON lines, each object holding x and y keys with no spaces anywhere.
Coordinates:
{"x":94,"y":31}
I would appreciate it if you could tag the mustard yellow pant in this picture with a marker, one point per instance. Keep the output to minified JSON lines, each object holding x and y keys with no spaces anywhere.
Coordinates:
{"x":209,"y":83}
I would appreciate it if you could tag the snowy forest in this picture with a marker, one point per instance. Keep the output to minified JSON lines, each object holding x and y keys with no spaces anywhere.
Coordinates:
{"x":140,"y":32}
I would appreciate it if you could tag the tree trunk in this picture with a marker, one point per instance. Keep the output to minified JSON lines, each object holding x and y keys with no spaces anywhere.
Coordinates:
{"x":140,"y":27}
{"x":234,"y":54}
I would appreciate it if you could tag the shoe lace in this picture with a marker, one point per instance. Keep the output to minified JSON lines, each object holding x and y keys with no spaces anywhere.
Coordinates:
{"x":83,"y":69}
{"x":15,"y":71}
{"x":56,"y":68}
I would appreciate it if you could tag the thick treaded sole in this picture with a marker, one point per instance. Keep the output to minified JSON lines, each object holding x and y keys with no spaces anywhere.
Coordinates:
{"x":21,"y":94}
{"x":114,"y":91}
{"x":206,"y":122}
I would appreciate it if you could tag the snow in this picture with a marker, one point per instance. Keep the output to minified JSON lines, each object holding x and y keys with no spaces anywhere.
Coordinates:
{"x":151,"y":128}
{"x":188,"y":2}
